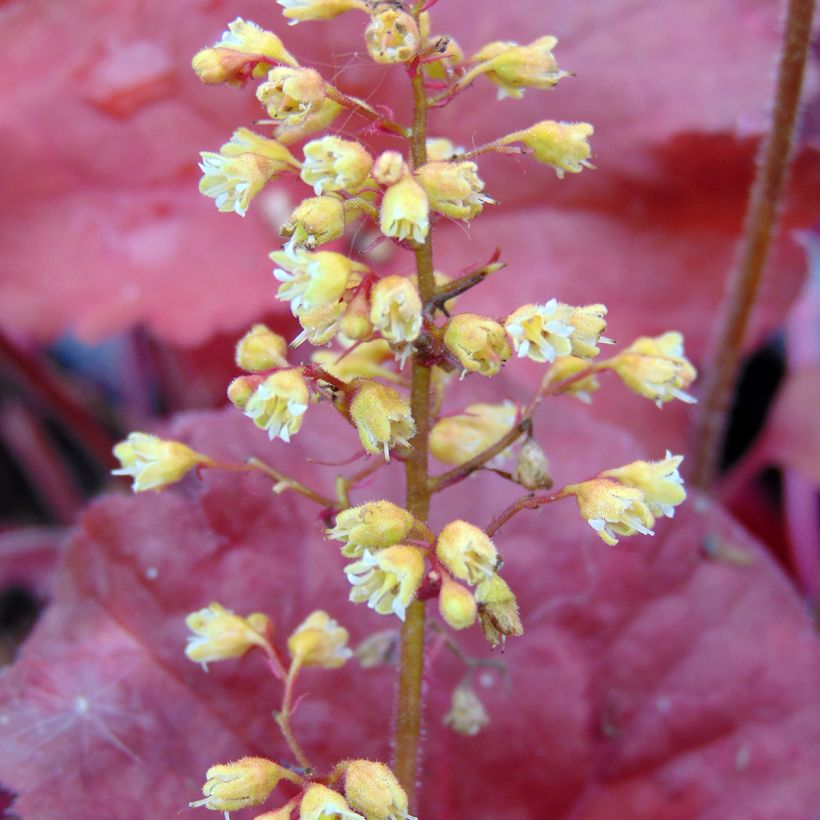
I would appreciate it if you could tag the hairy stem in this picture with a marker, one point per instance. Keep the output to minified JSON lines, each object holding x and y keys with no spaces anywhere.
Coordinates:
{"x":527,"y":502}
{"x":411,"y":663}
{"x":759,"y":226}
{"x":283,"y":718}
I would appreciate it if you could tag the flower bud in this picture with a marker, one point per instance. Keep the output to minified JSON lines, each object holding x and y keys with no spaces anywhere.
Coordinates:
{"x":382,"y":417}
{"x":356,"y":322}
{"x":453,"y":188}
{"x":497,"y":610}
{"x":392,"y":37}
{"x":291,"y":95}
{"x":565,"y":367}
{"x":316,"y":220}
{"x":395,"y":310}
{"x":656,"y":368}
{"x":335,"y":164}
{"x":241,"y":389}
{"x":220,"y":634}
{"x":405,"y":211}
{"x":612,"y":508}
{"x":321,"y":325}
{"x":278,"y":405}
{"x":389,"y":168}
{"x":478,"y":342}
{"x":319,"y":118}
{"x":560,"y":144}
{"x":322,"y":803}
{"x":456,"y":439}
{"x":261,"y":349}
{"x":374,"y":791}
{"x":298,"y":11}
{"x":234,"y":786}
{"x":440,"y":149}
{"x":319,"y":641}
{"x":372,"y":526}
{"x":532,"y":470}
{"x":456,"y":604}
{"x":659,"y":481}
{"x":467,"y":714}
{"x":388,"y":580}
{"x":467,"y":552}
{"x":154,"y":462}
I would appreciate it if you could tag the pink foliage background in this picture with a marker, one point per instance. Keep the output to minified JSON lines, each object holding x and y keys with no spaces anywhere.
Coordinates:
{"x":655,"y":680}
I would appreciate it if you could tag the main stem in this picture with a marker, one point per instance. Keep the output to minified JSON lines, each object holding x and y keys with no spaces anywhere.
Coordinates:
{"x":760,"y":223}
{"x":411,"y":669}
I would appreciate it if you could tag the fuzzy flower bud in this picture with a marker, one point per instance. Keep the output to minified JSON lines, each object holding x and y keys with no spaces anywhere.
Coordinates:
{"x":239,"y":54}
{"x":316,"y":220}
{"x":659,"y":481}
{"x":532,"y":470}
{"x":335,"y":164}
{"x":372,"y":789}
{"x":382,"y":417}
{"x":395,"y":310}
{"x":241,"y":389}
{"x":440,"y":148}
{"x":261,"y":349}
{"x":456,"y":604}
{"x":457,"y":439}
{"x":291,"y":95}
{"x":467,"y":552}
{"x":363,"y":361}
{"x":241,"y":169}
{"x":298,"y":11}
{"x":321,"y":325}
{"x":467,"y":714}
{"x":497,"y":610}
{"x":278,"y":405}
{"x":453,"y":188}
{"x":372,"y":526}
{"x":405,"y":211}
{"x":478,"y":342}
{"x":392,"y":37}
{"x":319,"y":118}
{"x":220,"y":634}
{"x":234,"y":786}
{"x":322,"y":803}
{"x":356,"y":324}
{"x":319,"y":641}
{"x":154,"y":462}
{"x":611,"y":508}
{"x":560,"y":144}
{"x":389,"y":168}
{"x":513,"y":67}
{"x":312,"y":280}
{"x":387,"y":580}
{"x":657,"y":368}
{"x":565,"y":367}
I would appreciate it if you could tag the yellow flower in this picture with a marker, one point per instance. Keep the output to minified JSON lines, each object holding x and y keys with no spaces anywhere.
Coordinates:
{"x":467,"y":714}
{"x":659,"y":481}
{"x":374,"y":525}
{"x":322,"y":803}
{"x":454,"y":188}
{"x":320,"y":325}
{"x":478,"y":342}
{"x":334,"y":164}
{"x":611,"y":508}
{"x":497,"y":610}
{"x":513,"y":67}
{"x":316,"y":220}
{"x":456,"y":439}
{"x":588,"y":325}
{"x":392,"y":37}
{"x":291,"y":95}
{"x":318,"y":119}
{"x":656,"y":368}
{"x":560,"y":144}
{"x":363,"y":361}
{"x":389,"y":168}
{"x":395,"y":311}
{"x":261,"y":349}
{"x":299,"y":10}
{"x":154,"y":462}
{"x":467,"y":552}
{"x":312,"y":280}
{"x":456,"y":604}
{"x":220,"y":634}
{"x":234,"y":786}
{"x":388,"y":579}
{"x":278,"y":405}
{"x":374,"y":790}
{"x":241,"y":169}
{"x":319,"y":641}
{"x":382,"y":417}
{"x":405,"y":211}
{"x":539,"y":332}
